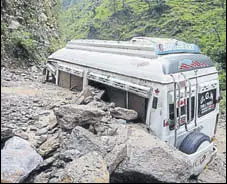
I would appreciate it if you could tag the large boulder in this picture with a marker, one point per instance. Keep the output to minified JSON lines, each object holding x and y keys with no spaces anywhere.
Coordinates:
{"x":114,"y":139}
{"x":90,"y":168}
{"x":122,"y":113}
{"x":115,"y":157}
{"x":70,"y":116}
{"x":80,"y":142}
{"x":112,"y":135}
{"x":18,"y":159}
{"x":151,"y":160}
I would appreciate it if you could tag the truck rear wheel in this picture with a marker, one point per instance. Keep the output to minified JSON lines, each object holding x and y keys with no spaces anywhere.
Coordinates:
{"x":193,"y":142}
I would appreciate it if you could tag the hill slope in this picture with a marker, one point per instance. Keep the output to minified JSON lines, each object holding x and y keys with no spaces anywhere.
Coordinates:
{"x":28,"y":31}
{"x":202,"y":22}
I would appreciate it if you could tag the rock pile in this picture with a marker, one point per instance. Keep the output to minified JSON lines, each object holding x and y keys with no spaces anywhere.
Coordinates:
{"x":95,"y":138}
{"x":87,"y":133}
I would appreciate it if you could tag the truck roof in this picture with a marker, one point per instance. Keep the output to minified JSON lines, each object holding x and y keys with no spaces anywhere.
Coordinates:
{"x":138,"y":58}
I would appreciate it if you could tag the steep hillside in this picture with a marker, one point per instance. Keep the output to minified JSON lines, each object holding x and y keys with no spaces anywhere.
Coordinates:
{"x":28,"y":31}
{"x":202,"y":22}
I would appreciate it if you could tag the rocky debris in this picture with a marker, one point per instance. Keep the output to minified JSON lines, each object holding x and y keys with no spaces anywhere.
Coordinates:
{"x":18,"y":159}
{"x":6,"y":133}
{"x":79,"y":143}
{"x":22,"y":20}
{"x":83,"y":95}
{"x":127,"y":150}
{"x":122,"y":113}
{"x":49,"y":146}
{"x":115,"y":157}
{"x":47,"y":163}
{"x":89,"y":94}
{"x":42,"y":177}
{"x":151,"y":160}
{"x":14,"y":25}
{"x":116,"y":134}
{"x":21,"y":134}
{"x":70,"y":116}
{"x":90,"y":168}
{"x":43,"y":17}
{"x":214,"y":173}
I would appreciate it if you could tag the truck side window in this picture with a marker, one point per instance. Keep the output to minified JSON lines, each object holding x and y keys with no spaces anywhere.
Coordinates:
{"x":155,"y":103}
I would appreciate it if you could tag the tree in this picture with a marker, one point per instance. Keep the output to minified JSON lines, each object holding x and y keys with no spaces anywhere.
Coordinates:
{"x":123,"y":4}
{"x":114,"y":5}
{"x":149,"y":3}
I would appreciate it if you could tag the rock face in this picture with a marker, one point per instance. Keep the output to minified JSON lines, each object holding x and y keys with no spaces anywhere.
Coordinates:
{"x":122,"y":113}
{"x":26,"y":22}
{"x":70,"y":116}
{"x":18,"y":159}
{"x":81,"y":142}
{"x":115,"y":157}
{"x":90,"y":168}
{"x":151,"y":160}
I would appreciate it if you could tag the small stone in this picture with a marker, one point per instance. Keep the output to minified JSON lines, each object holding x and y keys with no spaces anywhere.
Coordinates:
{"x":32,"y":128}
{"x":14,"y":24}
{"x":42,"y":139}
{"x":36,"y":100}
{"x":88,"y":100}
{"x":53,"y":131}
{"x":21,"y":134}
{"x":42,"y":131}
{"x":54,"y":180}
{"x":48,"y":161}
{"x":49,"y":146}
{"x":42,"y":178}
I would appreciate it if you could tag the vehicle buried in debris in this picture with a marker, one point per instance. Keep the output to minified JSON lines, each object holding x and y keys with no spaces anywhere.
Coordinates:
{"x":171,"y":84}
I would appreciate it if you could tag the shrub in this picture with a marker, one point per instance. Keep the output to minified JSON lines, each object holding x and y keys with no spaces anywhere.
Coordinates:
{"x":22,"y":44}
{"x":222,"y":79}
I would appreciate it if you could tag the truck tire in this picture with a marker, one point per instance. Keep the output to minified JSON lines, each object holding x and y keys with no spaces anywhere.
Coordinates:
{"x":192,"y":142}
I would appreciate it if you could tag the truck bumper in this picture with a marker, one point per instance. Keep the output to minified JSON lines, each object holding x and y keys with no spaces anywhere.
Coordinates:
{"x":200,"y":159}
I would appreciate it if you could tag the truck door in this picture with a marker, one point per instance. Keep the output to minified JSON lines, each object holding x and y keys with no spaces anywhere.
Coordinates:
{"x":182,"y":110}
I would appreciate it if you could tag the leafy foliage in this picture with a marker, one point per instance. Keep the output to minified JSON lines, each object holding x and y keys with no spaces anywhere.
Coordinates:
{"x":223,"y":102}
{"x":196,"y":21}
{"x":27,"y":31}
{"x":202,"y":22}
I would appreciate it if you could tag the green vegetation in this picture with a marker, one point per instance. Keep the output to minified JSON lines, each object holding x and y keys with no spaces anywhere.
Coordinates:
{"x":201,"y":22}
{"x":196,"y":21}
{"x":222,"y":78}
{"x":223,"y":102}
{"x":23,"y":40}
{"x":28,"y":31}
